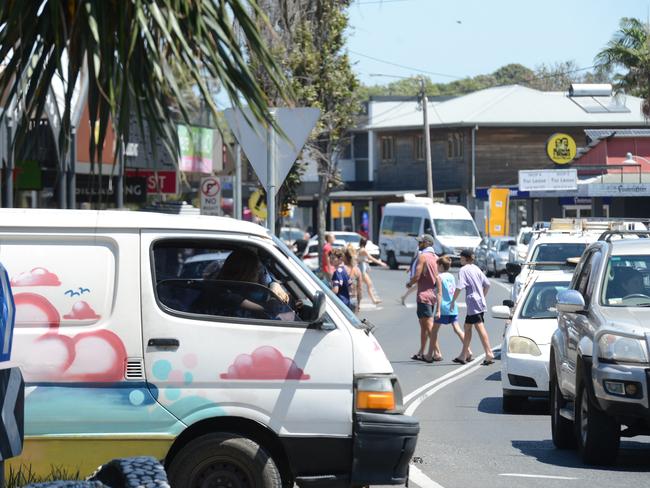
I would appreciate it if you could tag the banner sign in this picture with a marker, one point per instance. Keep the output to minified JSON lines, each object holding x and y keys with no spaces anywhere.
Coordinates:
{"x":498,"y":212}
{"x":619,"y":189}
{"x":163,"y":182}
{"x":548,"y":180}
{"x":88,"y":189}
{"x":196,"y":149}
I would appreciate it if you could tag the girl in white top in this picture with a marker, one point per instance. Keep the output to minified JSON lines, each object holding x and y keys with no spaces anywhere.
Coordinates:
{"x":365,"y":259}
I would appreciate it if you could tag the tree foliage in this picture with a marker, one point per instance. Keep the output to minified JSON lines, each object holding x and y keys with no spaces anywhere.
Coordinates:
{"x":629,"y":49}
{"x":133,"y":50}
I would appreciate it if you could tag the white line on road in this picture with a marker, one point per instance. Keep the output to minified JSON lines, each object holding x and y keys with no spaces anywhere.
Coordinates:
{"x":506,"y":286}
{"x":546,"y":477}
{"x":421,"y":479}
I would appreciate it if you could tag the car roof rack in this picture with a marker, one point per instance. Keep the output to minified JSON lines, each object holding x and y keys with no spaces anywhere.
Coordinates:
{"x":607,"y":235}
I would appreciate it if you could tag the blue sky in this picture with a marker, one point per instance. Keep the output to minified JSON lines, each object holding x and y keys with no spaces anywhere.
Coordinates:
{"x":470,"y":37}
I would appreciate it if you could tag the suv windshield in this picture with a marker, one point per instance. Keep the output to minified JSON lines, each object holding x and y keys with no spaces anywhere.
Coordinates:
{"x":453,"y":227}
{"x":348,"y":238}
{"x":557,"y":253}
{"x":627,"y":282}
{"x":541,"y":300}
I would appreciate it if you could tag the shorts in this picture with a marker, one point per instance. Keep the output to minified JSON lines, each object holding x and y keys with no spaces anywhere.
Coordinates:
{"x":424,"y":310}
{"x":447,"y":319}
{"x":474,"y":319}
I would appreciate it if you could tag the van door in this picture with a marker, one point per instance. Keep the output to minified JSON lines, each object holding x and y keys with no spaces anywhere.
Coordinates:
{"x":210,"y":353}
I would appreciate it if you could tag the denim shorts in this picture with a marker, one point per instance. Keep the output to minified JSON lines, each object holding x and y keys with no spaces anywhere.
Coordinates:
{"x":425,"y":310}
{"x":447,"y":319}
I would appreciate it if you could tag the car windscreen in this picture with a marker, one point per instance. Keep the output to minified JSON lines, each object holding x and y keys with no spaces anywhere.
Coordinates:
{"x":540,"y":303}
{"x":455,"y":227}
{"x":555,"y":252}
{"x":348,"y":238}
{"x":627,"y":281}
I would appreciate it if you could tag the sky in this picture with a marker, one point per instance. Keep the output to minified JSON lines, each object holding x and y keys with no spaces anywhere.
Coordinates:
{"x":460,"y":38}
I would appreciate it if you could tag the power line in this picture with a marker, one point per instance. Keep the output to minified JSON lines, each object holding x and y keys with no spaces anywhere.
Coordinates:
{"x":405,"y":67}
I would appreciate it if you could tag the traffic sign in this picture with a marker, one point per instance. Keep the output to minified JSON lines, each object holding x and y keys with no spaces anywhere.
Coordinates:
{"x":257,"y":204}
{"x":12,"y":393}
{"x":296,"y":123}
{"x":210,"y":196}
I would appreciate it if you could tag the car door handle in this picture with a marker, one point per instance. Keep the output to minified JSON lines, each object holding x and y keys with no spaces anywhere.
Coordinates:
{"x":163,"y":342}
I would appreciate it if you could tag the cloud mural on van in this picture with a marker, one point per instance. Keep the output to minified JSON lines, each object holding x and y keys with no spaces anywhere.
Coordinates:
{"x":89,"y":356}
{"x":265,"y":363}
{"x":36,"y":277}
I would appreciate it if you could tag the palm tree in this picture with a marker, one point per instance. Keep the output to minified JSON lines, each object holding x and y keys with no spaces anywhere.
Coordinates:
{"x":133,"y":51}
{"x":630,"y":49}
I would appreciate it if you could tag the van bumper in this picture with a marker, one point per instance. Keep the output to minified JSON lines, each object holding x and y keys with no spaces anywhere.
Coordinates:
{"x":382,"y":448}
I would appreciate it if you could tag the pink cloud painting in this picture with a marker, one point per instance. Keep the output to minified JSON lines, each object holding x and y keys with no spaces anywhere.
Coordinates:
{"x":265,"y":363}
{"x":81,"y":311}
{"x":36,"y":277}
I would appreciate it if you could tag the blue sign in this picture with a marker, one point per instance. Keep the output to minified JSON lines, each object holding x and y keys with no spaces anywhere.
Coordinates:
{"x":7,"y":315}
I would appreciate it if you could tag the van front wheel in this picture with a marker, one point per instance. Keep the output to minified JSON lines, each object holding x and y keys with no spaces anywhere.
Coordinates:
{"x":392,"y":261}
{"x":223,"y":460}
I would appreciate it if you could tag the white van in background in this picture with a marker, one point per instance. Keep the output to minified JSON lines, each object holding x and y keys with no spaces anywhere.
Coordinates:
{"x":451,"y":226}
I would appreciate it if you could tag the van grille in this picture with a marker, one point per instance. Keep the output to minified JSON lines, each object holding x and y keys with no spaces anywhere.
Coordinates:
{"x":134,"y":369}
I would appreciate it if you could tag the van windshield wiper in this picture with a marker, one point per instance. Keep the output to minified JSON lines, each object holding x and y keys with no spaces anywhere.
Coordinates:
{"x":368,"y":326}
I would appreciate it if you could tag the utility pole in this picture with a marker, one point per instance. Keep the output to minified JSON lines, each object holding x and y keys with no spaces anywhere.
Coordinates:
{"x":271,"y":161}
{"x":427,"y":139}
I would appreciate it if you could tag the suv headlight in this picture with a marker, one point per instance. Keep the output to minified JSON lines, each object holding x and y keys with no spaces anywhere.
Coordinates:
{"x":523,"y":345}
{"x":377,"y":393}
{"x":616,"y":348}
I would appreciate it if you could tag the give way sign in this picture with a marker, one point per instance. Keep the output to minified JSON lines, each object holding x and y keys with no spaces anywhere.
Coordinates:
{"x":296,"y":123}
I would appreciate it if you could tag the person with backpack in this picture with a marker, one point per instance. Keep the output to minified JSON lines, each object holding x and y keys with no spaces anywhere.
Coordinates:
{"x":340,"y":276}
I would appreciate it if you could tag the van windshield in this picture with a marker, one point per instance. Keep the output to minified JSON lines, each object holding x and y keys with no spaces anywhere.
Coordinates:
{"x":455,"y":227}
{"x":349,"y":314}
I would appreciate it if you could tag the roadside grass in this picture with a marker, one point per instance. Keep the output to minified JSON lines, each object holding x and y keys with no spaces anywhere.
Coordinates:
{"x":24,"y":476}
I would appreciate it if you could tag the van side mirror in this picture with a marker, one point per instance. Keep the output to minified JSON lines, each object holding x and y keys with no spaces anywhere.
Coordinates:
{"x":570,"y":301}
{"x":501,"y":312}
{"x":318,"y":308}
{"x":513,"y":269}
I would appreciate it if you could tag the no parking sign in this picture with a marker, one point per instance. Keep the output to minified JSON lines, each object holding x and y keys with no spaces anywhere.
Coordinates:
{"x":210,"y":196}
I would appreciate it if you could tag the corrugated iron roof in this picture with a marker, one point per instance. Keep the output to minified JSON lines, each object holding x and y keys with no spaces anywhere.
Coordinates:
{"x":505,"y":106}
{"x":597,"y":134}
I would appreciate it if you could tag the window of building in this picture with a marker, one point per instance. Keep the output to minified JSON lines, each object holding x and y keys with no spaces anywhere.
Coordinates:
{"x":455,"y":145}
{"x":418,"y":147}
{"x":387,"y":148}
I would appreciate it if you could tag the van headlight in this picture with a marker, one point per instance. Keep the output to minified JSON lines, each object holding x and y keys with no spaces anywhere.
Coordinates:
{"x":615,"y":348}
{"x":377,"y":393}
{"x":523,"y":345}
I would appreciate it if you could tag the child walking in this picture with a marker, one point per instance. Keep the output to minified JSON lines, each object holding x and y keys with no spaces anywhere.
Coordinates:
{"x":448,"y":314}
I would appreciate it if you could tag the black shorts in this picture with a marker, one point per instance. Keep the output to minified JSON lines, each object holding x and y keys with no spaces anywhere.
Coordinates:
{"x":474,"y":319}
{"x":425,"y":310}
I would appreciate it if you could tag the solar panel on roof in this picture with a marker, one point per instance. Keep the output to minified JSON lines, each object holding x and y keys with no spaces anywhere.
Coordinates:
{"x":593,"y":105}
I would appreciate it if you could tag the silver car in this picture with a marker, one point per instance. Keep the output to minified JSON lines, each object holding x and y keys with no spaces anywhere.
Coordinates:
{"x":600,"y":353}
{"x":498,"y":255}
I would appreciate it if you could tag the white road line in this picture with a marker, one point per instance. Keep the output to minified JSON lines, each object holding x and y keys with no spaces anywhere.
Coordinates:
{"x":506,"y":286}
{"x":543,"y":476}
{"x":421,"y":479}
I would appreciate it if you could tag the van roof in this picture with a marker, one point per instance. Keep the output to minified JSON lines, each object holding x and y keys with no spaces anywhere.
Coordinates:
{"x":121,"y":219}
{"x":445,"y":210}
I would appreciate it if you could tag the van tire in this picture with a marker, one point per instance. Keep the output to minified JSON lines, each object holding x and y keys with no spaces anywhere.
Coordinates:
{"x":222,"y":458}
{"x":132,"y":473}
{"x":391,"y":260}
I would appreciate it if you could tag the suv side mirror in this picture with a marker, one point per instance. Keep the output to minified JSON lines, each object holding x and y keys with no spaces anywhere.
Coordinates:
{"x":318,"y":308}
{"x":513,"y":269}
{"x":570,"y":301}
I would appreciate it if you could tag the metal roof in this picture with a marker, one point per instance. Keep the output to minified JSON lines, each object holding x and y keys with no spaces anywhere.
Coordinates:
{"x":596,"y":134}
{"x":506,"y":106}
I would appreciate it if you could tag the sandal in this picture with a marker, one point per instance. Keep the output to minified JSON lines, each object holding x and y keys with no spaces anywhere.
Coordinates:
{"x":458,"y":360}
{"x":418,"y":357}
{"x":469,"y":359}
{"x":487,"y":362}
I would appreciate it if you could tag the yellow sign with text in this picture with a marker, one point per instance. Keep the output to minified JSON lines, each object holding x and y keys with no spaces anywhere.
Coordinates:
{"x":561,"y":148}
{"x":499,"y":199}
{"x":341,"y":210}
{"x":257,"y":204}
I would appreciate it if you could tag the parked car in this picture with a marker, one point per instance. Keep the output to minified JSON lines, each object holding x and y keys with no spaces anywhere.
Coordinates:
{"x":481,"y":253}
{"x":517,"y":253}
{"x":451,"y":226}
{"x":600,"y":353}
{"x":310,"y":254}
{"x":497,"y":255}
{"x":124,"y":358}
{"x":354,"y":238}
{"x":527,"y":339}
{"x":289,"y":235}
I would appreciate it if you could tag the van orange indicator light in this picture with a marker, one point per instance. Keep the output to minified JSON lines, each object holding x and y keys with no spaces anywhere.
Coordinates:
{"x":375,"y":400}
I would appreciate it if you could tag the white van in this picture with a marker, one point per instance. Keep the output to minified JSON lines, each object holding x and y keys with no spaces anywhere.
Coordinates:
{"x":126,"y":353}
{"x":451,"y":226}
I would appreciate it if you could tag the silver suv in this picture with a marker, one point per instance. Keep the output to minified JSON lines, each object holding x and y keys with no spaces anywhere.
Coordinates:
{"x":600,"y":353}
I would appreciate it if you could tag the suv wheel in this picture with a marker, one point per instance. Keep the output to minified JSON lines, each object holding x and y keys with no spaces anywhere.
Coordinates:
{"x":562,"y":430}
{"x":598,"y":434}
{"x":391,"y":261}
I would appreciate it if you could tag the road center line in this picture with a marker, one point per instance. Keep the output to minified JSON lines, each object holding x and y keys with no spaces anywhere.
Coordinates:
{"x":544,"y":476}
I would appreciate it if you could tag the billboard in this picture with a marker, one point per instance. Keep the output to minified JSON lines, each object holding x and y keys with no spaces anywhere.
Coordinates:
{"x":497,"y":221}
